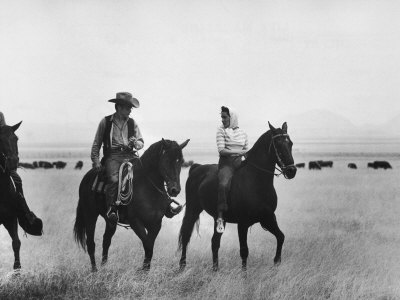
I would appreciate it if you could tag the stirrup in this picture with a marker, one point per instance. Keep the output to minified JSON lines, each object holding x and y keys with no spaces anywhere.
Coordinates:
{"x":112,"y":215}
{"x":220,"y":225}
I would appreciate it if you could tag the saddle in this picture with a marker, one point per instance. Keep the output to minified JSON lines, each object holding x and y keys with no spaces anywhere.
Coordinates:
{"x":125,"y":183}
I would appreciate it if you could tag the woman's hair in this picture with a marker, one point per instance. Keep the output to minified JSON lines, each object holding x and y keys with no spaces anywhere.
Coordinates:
{"x":225,"y":109}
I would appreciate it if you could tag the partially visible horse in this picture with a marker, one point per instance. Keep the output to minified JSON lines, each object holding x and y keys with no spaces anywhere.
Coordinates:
{"x":160,"y":164}
{"x":352,"y":166}
{"x":8,"y":211}
{"x":252,"y":198}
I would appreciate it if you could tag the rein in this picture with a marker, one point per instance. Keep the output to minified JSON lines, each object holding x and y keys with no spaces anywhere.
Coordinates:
{"x":4,"y":168}
{"x":164,"y":193}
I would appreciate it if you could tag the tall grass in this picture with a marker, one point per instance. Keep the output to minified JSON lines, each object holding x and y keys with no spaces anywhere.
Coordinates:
{"x":342,"y":242}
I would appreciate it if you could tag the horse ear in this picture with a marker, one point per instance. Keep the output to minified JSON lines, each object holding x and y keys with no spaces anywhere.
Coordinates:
{"x":183,"y":145}
{"x":16,"y":126}
{"x":284,"y":127}
{"x":163,"y":142}
{"x":271,"y":127}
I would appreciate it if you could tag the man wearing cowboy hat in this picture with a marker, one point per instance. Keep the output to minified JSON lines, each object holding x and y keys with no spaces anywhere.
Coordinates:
{"x":121,"y":138}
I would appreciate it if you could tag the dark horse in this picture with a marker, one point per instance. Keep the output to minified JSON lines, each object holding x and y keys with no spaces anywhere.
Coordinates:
{"x":160,"y":163}
{"x":252,"y":198}
{"x":8,"y":211}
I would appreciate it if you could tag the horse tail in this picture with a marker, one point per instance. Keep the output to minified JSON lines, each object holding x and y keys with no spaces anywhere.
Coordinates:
{"x":80,"y":226}
{"x":192,"y":212}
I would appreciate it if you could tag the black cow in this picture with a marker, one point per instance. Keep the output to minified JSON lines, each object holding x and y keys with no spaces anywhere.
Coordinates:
{"x":352,"y":166}
{"x":379,"y":164}
{"x":45,"y":164}
{"x":325,"y":163}
{"x":35,"y":164}
{"x":26,"y":165}
{"x":300,"y":165}
{"x":79,"y":165}
{"x":314,"y":165}
{"x":59,"y":164}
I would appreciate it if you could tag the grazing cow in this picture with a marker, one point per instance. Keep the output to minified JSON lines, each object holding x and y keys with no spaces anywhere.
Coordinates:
{"x":300,"y":165}
{"x":26,"y":165}
{"x":352,"y":166}
{"x":59,"y":164}
{"x":45,"y":164}
{"x":79,"y":165}
{"x":314,"y":165}
{"x":379,"y":164}
{"x":325,"y":163}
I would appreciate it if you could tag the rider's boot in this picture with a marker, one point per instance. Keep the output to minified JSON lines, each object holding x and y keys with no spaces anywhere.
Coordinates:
{"x":111,"y":195}
{"x":22,"y":206}
{"x":173,"y":211}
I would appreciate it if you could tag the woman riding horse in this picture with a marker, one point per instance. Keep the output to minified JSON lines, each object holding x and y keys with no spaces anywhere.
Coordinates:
{"x":252,"y":197}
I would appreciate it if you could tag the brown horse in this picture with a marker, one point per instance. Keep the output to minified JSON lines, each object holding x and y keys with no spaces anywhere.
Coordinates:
{"x":160,"y":163}
{"x":8,"y":211}
{"x":252,"y":198}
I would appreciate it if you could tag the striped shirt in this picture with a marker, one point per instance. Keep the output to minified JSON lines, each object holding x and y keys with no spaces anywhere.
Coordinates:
{"x":231,"y":139}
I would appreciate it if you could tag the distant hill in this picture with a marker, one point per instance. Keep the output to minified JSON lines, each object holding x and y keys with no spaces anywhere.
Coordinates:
{"x":325,"y":124}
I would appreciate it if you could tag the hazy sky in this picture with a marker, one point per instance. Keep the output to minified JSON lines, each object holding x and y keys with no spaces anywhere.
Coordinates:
{"x":60,"y":61}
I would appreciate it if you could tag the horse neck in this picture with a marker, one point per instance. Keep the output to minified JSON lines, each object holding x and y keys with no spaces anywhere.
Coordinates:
{"x":149,"y":164}
{"x":262,"y":154}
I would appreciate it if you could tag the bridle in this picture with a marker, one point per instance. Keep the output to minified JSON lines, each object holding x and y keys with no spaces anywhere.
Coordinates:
{"x":4,"y":157}
{"x":282,"y":167}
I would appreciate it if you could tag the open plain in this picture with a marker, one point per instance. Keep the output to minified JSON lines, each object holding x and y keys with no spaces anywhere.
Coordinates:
{"x":342,"y":242}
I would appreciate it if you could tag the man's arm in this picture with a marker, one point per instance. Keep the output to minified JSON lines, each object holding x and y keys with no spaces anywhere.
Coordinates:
{"x":2,"y":119}
{"x":138,"y":143}
{"x":98,"y":141}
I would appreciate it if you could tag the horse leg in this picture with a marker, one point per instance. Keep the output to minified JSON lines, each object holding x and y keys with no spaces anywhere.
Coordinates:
{"x":12,"y":228}
{"x":90,"y":244}
{"x":147,"y":239}
{"x":271,"y":225}
{"x":108,"y":234}
{"x":244,"y":250}
{"x":188,"y":222}
{"x":215,"y":244}
{"x":148,"y":248}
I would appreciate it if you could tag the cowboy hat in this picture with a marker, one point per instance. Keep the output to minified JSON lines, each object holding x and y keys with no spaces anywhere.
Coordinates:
{"x":125,"y":98}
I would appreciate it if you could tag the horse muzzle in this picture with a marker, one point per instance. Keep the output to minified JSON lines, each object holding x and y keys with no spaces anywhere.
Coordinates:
{"x":290,"y":172}
{"x":173,"y":190}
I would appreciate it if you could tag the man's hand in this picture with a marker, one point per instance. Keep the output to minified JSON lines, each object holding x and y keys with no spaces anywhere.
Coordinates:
{"x":132,"y":143}
{"x":97,"y":166}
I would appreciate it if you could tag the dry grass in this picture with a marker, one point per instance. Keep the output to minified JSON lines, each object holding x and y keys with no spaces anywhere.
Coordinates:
{"x":342,"y":242}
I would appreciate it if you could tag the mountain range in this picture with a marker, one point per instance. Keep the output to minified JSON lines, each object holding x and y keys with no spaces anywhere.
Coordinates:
{"x":315,"y":124}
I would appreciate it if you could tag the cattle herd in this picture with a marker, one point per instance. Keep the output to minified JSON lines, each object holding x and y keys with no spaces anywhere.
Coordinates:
{"x":319,"y":164}
{"x":49,"y":165}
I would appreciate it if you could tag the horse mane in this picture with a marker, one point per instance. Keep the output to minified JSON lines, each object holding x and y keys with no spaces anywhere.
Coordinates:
{"x":262,"y":139}
{"x":151,"y":155}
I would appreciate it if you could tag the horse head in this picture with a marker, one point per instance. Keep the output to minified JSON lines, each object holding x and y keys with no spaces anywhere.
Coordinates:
{"x":8,"y":147}
{"x":281,"y":145}
{"x":170,"y":164}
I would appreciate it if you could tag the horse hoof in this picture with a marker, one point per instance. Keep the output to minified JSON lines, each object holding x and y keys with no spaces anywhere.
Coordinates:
{"x":182,"y":267}
{"x":215,"y":268}
{"x":94,"y":269}
{"x":277,"y":261}
{"x":103,"y":262}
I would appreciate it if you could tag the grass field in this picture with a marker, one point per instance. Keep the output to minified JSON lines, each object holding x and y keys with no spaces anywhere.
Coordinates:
{"x":342,"y":242}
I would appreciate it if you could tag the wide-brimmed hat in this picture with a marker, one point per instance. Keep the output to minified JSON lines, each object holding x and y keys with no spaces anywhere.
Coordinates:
{"x":125,"y":98}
